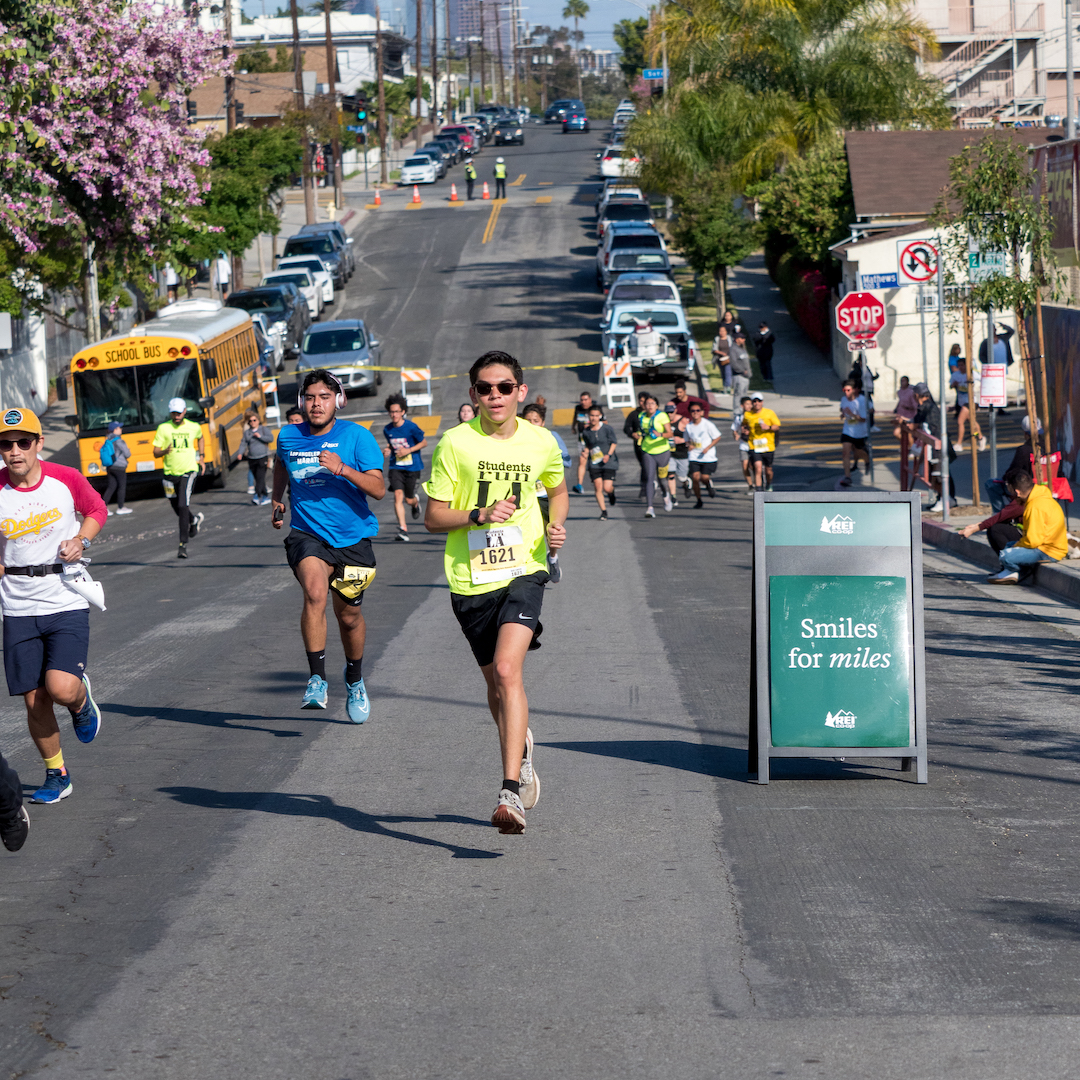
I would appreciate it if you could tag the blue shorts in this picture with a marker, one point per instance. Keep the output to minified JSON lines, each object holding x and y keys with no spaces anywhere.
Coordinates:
{"x":34,"y":644}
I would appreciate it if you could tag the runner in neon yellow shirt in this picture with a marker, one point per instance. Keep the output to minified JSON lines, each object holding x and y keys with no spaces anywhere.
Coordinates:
{"x":482,"y":494}
{"x":180,"y":442}
{"x":763,"y":425}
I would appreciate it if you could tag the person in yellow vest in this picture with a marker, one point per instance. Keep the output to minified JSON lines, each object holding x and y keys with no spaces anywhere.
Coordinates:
{"x":1044,"y":531}
{"x":763,"y":424}
{"x":470,"y":177}
{"x":500,"y":178}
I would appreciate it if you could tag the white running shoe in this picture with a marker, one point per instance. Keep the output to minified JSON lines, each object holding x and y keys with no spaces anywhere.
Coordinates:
{"x":509,"y":815}
{"x":668,"y":502}
{"x":529,"y":782}
{"x":650,"y":512}
{"x":123,"y":510}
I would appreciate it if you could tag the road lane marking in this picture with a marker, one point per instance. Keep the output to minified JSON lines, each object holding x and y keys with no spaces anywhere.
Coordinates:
{"x":544,"y":183}
{"x":541,"y":199}
{"x":518,"y":182}
{"x":493,"y":218}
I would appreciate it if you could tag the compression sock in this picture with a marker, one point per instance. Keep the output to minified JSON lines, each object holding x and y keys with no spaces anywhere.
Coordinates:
{"x":512,"y":785}
{"x":316,"y":662}
{"x":56,"y":762}
{"x":354,"y":670}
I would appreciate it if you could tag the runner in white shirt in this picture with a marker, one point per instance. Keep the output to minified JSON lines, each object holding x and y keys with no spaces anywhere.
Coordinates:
{"x":46,"y":623}
{"x":702,"y":436}
{"x":856,"y":428}
{"x":738,"y":429}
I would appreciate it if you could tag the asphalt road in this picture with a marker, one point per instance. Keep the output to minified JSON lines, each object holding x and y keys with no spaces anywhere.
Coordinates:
{"x":240,"y":888}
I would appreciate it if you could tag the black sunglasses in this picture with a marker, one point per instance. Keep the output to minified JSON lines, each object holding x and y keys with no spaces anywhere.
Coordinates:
{"x":10,"y":444}
{"x":484,"y":388}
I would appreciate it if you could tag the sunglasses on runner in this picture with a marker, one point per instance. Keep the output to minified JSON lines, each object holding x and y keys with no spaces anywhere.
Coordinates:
{"x":10,"y":444}
{"x":483,"y":389}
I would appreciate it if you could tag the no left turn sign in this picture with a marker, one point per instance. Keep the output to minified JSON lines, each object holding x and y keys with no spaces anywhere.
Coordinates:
{"x":917,"y":261}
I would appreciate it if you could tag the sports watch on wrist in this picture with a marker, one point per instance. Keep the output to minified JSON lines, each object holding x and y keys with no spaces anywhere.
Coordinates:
{"x":474,"y":516}
{"x":85,"y":542}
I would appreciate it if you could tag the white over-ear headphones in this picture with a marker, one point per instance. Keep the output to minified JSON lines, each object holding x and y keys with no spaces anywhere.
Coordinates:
{"x":340,"y":401}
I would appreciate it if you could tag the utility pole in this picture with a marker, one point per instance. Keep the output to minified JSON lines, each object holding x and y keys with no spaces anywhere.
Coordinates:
{"x":468,"y":53}
{"x":331,"y":81}
{"x":419,"y":68}
{"x":382,"y":95}
{"x":502,"y":70}
{"x":1070,"y":95}
{"x":514,"y":52}
{"x":230,"y":82}
{"x":451,"y":97}
{"x":943,"y":382}
{"x":483,"y":92}
{"x":298,"y":72}
{"x":434,"y":64}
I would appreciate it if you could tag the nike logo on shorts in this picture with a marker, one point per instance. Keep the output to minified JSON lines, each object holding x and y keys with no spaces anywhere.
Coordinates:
{"x":522,"y":615}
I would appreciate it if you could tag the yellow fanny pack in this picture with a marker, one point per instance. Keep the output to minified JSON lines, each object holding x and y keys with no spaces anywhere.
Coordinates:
{"x":351,"y":581}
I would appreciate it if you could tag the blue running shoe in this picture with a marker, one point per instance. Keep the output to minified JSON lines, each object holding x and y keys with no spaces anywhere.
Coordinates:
{"x":87,"y":720}
{"x":315,"y":694}
{"x":57,"y":786}
{"x":358,"y":705}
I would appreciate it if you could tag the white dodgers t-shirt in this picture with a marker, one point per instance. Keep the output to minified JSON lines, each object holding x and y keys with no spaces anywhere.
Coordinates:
{"x":855,"y":416}
{"x":699,"y":436}
{"x":34,"y":522}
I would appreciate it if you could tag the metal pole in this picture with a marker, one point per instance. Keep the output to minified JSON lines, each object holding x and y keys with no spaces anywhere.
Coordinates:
{"x":331,"y":85}
{"x":993,"y":412}
{"x":382,"y":95}
{"x":922,"y":325}
{"x":434,"y":64}
{"x":298,"y":73}
{"x":419,"y":67}
{"x":1070,"y":97}
{"x":451,"y":98}
{"x":483,"y":91}
{"x":230,"y":100}
{"x":943,"y":382}
{"x":499,"y":41}
{"x":468,"y":53}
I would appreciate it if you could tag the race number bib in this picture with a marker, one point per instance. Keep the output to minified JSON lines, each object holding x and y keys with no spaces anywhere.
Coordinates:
{"x":496,"y":554}
{"x":596,"y":455}
{"x":760,"y":444}
{"x":401,"y":455}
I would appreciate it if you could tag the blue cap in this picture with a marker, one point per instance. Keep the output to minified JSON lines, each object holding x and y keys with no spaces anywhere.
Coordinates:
{"x":114,"y":426}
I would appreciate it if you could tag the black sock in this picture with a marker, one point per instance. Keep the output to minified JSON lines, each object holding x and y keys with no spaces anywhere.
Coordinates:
{"x":354,"y":670}
{"x":316,"y":662}
{"x":512,"y":785}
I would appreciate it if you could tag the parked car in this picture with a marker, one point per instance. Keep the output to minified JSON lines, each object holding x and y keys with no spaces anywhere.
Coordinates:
{"x":463,"y":132}
{"x":316,"y":268}
{"x":274,"y":340}
{"x":508,"y":131}
{"x":677,"y":353}
{"x":616,"y":186}
{"x":449,"y":148}
{"x":646,"y":247}
{"x":283,"y":311}
{"x":483,"y":121}
{"x":632,"y":286}
{"x":557,"y":110}
{"x":455,"y":144}
{"x":614,"y":163}
{"x":618,"y":198}
{"x":418,"y":170}
{"x":337,"y":230}
{"x":575,"y":121}
{"x":444,"y":152}
{"x":639,"y":212}
{"x":623,"y":117}
{"x":346,"y":348}
{"x":434,"y":155}
{"x":303,"y":280}
{"x":326,"y":248}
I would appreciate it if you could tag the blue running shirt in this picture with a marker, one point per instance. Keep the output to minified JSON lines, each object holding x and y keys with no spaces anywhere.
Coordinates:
{"x":324,"y":504}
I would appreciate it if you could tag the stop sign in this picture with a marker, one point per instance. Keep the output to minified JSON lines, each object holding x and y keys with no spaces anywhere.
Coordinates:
{"x":860,"y":316}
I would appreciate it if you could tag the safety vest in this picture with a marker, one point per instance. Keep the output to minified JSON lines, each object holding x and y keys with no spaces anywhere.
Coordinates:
{"x":500,"y":172}
{"x":470,"y":171}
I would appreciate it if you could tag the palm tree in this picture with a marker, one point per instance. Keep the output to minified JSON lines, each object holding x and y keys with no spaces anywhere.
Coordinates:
{"x":576,"y":9}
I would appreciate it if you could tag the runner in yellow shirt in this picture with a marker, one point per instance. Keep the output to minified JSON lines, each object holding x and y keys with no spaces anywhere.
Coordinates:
{"x":482,"y":494}
{"x":763,"y":424}
{"x":180,"y":442}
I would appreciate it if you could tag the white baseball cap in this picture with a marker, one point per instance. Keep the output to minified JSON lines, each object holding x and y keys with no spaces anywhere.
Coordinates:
{"x":177,"y":404}
{"x":757,"y":395}
{"x":498,"y":159}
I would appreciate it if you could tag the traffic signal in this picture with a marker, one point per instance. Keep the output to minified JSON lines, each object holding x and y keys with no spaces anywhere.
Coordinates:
{"x":192,"y":110}
{"x":239,"y":107}
{"x":361,"y":108}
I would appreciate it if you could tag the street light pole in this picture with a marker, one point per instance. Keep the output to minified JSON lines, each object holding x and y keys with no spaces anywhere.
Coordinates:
{"x":419,"y":67}
{"x":382,"y":94}
{"x":331,"y":84}
{"x":1070,"y":96}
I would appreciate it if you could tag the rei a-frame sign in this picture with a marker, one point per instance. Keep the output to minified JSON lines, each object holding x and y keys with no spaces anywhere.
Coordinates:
{"x":837,"y":665}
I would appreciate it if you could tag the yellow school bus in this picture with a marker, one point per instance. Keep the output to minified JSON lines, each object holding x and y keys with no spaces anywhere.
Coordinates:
{"x":195,"y":349}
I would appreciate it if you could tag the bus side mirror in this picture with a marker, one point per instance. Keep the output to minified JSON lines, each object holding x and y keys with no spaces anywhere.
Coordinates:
{"x":209,"y":366}
{"x":206,"y":402}
{"x":61,"y":389}
{"x":72,"y":422}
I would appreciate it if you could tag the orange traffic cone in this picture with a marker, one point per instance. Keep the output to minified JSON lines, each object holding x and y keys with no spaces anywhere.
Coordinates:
{"x":415,"y":193}
{"x":486,"y":194}
{"x":453,"y":193}
{"x":378,"y":198}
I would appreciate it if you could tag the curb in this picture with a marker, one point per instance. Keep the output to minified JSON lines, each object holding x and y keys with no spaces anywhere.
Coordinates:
{"x":1048,"y":576}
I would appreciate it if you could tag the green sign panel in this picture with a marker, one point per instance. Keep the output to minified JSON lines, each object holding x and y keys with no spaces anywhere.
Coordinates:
{"x":837,"y":524}
{"x":839,"y":653}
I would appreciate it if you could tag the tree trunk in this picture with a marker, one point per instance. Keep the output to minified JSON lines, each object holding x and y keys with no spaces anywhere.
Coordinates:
{"x":90,"y":298}
{"x":719,"y":293}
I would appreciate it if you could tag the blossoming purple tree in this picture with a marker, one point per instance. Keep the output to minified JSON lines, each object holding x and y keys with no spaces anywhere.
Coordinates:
{"x":97,"y":160}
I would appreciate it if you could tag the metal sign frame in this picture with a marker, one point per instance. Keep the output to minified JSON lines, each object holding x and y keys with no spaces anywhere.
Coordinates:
{"x":851,"y":560}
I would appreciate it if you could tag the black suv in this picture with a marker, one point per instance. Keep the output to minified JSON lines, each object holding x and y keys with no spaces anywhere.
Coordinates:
{"x":279,"y":306}
{"x":558,"y":110}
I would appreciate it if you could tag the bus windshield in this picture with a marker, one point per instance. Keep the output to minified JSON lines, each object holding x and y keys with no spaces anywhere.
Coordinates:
{"x":136,"y":396}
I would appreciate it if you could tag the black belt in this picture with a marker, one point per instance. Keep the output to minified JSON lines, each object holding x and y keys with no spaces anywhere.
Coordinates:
{"x":36,"y":571}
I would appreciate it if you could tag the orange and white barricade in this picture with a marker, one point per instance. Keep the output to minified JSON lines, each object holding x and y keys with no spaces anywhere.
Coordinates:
{"x":270,"y":390}
{"x":409,"y":379}
{"x":618,"y":385}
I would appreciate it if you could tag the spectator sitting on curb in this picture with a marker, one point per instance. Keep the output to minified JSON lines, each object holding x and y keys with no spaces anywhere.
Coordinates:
{"x":995,"y":488}
{"x":999,"y":527}
{"x":1044,"y":531}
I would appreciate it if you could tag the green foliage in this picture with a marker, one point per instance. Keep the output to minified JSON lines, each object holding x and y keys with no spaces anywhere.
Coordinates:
{"x":629,"y":35}
{"x":807,"y":208}
{"x":989,"y":203}
{"x":258,"y":61}
{"x":601,"y":94}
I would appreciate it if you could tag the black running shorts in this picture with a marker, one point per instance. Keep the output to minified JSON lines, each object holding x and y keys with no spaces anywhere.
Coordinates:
{"x":405,"y":480}
{"x":765,"y":456}
{"x":302,"y":545}
{"x":604,"y":472}
{"x":706,"y":468}
{"x":34,"y":644}
{"x":481,"y":616}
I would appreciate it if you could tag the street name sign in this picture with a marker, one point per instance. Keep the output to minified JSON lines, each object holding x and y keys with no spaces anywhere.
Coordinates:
{"x":860,"y":316}
{"x":837,"y":666}
{"x":652,"y":73}
{"x":983,"y":265}
{"x":878,"y":281}
{"x":917,"y":261}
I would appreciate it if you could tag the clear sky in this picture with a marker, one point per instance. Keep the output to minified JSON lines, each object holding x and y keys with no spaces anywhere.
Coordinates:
{"x":603,"y":15}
